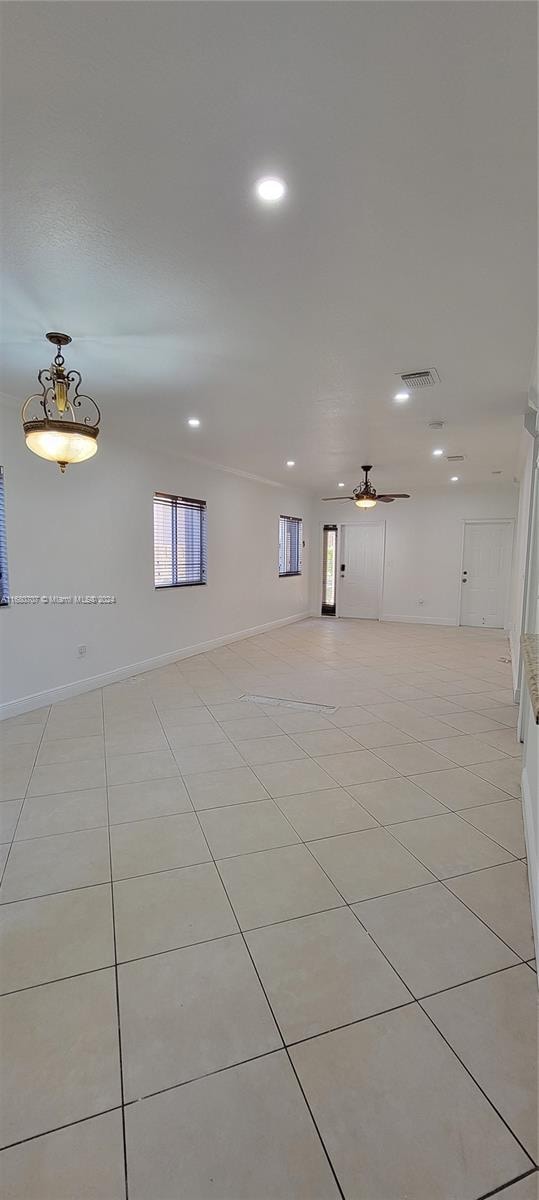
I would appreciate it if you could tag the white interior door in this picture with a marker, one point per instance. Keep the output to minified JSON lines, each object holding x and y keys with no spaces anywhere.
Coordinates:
{"x":486,"y":570}
{"x":361,"y":554}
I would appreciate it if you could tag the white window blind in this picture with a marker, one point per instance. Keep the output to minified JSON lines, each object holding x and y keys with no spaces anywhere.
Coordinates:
{"x":179,"y":541}
{"x":4,"y":582}
{"x":290,"y":545}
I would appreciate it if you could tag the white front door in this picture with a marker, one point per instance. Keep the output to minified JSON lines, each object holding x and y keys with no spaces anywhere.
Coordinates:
{"x":361,"y":554}
{"x":486,"y":572}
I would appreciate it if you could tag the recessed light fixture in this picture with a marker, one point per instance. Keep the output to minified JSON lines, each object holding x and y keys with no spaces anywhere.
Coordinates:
{"x":290,"y":462}
{"x":340,"y":485}
{"x":193,"y":422}
{"x":400,"y":397}
{"x":454,"y":479}
{"x":270,"y":189}
{"x":437,"y":453}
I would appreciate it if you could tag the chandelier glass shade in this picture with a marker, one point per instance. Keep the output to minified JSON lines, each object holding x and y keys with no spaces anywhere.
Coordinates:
{"x":54,"y":428}
{"x":366,"y":502}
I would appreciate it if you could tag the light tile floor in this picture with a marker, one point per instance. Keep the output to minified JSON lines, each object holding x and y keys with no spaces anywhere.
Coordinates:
{"x":263,"y":952}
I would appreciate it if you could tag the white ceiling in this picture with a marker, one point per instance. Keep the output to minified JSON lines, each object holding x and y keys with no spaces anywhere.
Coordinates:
{"x":132,"y":137}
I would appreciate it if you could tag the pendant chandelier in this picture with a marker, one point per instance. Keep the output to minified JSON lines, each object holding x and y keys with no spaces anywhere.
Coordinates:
{"x":59,"y":432}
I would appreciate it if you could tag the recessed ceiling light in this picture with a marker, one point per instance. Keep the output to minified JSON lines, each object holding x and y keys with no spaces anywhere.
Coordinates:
{"x":437,"y":453}
{"x":270,"y":189}
{"x":454,"y":479}
{"x":401,"y":397}
{"x":193,"y":422}
{"x":340,"y":485}
{"x":290,"y":462}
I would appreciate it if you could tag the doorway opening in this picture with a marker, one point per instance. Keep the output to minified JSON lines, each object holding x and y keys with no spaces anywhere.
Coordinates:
{"x":487,"y":549}
{"x":361,"y":571}
{"x":353,"y":570}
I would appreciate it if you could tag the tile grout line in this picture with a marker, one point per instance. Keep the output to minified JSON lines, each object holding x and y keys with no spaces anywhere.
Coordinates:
{"x":269,"y":850}
{"x":295,"y":795}
{"x":337,"y":783}
{"x":116,"y":980}
{"x":24,"y":798}
{"x":462,"y":874}
{"x":475,"y":979}
{"x":427,"y":883}
{"x":270,"y":1007}
{"x":174,"y":1087}
{"x":417,"y":1000}
{"x":476,"y":1081}
{"x":413,"y":1000}
{"x":275,"y":800}
{"x":444,"y":882}
{"x":510,"y":1183}
{"x":233,"y":804}
{"x":57,"y":1128}
{"x":254,"y":929}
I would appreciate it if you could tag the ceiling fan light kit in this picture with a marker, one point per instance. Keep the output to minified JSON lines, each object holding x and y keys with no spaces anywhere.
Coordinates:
{"x":366,"y":496}
{"x":58,"y":432}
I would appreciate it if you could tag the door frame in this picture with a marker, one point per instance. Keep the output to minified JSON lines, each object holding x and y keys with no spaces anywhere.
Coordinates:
{"x":362,"y":525}
{"x":486,"y":521}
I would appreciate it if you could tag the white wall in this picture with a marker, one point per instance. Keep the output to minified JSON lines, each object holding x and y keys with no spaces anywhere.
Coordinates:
{"x":423,"y":555}
{"x":521,"y":554}
{"x":529,"y":729}
{"x":90,"y":531}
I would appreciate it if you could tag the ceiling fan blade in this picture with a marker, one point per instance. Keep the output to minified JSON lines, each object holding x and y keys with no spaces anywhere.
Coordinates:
{"x":385,"y":499}
{"x":337,"y":497}
{"x":393,"y":496}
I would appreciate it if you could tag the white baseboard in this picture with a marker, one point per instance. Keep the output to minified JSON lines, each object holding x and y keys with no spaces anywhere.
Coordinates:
{"x":13,"y":708}
{"x":417,"y":620}
{"x":531,"y":852}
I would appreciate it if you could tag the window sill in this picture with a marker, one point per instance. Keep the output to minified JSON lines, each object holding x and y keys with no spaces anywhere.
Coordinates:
{"x":289,"y":574}
{"x":166,"y":587}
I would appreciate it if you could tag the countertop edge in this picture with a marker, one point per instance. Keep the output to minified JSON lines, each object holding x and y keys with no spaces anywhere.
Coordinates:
{"x":530,"y":658}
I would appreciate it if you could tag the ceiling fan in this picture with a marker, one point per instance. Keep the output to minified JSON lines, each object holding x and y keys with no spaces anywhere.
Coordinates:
{"x":365,"y":495}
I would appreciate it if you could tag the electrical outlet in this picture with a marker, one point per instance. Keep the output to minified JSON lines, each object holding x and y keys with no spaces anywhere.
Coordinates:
{"x":81,"y":651}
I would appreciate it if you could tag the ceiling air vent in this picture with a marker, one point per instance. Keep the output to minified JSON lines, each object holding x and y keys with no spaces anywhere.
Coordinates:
{"x":420,"y":379}
{"x":455,"y":457}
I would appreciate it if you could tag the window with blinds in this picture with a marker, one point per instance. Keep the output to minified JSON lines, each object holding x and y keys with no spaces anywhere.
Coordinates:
{"x":179,"y":541}
{"x":290,"y":545}
{"x":4,"y":582}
